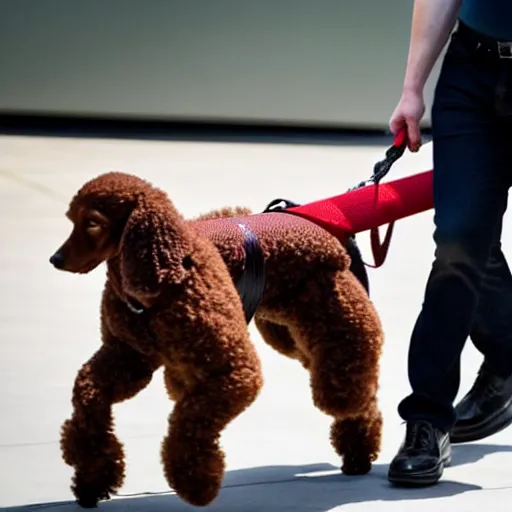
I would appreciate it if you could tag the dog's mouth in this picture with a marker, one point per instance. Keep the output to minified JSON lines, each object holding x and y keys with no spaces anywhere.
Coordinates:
{"x":85,"y":268}
{"x":59,"y":262}
{"x":88,"y":268}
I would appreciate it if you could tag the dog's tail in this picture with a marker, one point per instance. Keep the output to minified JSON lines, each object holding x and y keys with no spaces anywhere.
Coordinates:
{"x":357,"y":266}
{"x":223,"y":213}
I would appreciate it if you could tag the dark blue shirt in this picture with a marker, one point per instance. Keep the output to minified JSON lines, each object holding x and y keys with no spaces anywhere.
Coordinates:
{"x":492,"y":18}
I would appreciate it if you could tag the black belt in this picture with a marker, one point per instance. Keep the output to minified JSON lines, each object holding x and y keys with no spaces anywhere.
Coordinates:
{"x":498,"y":49}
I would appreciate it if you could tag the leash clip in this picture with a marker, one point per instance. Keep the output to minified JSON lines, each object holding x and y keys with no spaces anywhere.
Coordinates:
{"x":380,"y":170}
{"x":278,"y":205}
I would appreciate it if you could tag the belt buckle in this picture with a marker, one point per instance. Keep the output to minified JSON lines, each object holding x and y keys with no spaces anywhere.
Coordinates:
{"x":505,"y":50}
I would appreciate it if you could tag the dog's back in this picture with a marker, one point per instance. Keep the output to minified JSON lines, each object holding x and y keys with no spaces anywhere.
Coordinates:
{"x":287,"y":241}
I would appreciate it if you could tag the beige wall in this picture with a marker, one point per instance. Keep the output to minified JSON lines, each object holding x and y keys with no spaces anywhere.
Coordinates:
{"x":296,"y":61}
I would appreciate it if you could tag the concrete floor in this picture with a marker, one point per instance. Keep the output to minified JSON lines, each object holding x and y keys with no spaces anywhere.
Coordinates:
{"x":279,"y":457}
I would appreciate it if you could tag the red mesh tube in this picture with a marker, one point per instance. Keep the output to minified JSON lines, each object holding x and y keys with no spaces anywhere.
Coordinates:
{"x":371,"y":206}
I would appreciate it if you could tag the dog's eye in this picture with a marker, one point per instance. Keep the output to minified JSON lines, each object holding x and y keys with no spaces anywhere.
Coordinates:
{"x":92,"y":227}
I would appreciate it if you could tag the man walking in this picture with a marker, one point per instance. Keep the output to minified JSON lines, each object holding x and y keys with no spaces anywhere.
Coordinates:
{"x":469,"y":290}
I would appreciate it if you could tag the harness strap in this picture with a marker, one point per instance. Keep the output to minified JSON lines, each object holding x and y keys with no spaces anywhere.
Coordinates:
{"x":251,"y":283}
{"x":380,"y":250}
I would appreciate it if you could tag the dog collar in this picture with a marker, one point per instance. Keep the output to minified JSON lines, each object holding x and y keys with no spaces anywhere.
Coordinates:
{"x":134,"y":307}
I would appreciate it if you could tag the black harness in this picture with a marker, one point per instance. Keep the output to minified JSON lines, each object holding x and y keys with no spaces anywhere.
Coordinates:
{"x":251,"y":283}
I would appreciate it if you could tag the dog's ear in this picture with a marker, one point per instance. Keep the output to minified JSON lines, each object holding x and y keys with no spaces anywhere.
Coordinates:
{"x":153,"y":249}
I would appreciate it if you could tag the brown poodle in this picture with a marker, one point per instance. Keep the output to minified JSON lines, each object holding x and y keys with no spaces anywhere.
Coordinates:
{"x":170,"y":300}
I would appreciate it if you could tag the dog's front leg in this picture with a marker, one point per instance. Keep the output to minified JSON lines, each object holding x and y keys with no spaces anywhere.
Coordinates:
{"x":115,"y":373}
{"x":218,"y":377}
{"x":192,"y":457}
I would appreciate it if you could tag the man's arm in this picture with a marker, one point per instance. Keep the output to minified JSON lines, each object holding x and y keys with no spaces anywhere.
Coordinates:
{"x":432,"y":23}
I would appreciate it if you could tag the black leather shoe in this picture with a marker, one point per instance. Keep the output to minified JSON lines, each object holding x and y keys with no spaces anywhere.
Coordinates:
{"x":485,"y":410}
{"x":422,"y":457}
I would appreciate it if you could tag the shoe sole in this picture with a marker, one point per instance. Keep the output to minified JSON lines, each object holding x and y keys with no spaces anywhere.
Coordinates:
{"x":492,"y":426}
{"x":422,"y":479}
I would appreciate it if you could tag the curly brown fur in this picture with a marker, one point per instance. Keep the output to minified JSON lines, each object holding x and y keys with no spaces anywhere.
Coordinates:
{"x":236,"y":211}
{"x":168,"y":301}
{"x":315,"y":310}
{"x":180,"y":275}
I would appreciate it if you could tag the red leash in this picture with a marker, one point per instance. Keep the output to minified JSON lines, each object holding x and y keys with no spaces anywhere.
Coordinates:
{"x":370,"y":204}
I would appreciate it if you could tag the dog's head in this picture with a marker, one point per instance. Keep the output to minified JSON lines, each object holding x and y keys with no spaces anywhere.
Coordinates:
{"x":117,"y":215}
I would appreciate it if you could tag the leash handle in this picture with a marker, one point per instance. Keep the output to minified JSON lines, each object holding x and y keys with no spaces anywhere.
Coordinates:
{"x":401,"y":138}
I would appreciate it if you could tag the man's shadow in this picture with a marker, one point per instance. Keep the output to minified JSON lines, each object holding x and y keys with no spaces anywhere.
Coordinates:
{"x":311,"y":488}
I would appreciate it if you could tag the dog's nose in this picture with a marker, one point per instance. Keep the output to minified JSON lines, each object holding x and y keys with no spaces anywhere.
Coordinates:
{"x":57,"y":260}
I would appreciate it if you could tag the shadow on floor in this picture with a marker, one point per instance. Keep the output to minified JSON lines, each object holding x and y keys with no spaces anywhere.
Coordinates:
{"x":311,"y":488}
{"x":469,"y":453}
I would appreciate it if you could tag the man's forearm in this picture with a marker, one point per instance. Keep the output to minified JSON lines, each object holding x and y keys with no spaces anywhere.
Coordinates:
{"x":432,"y":23}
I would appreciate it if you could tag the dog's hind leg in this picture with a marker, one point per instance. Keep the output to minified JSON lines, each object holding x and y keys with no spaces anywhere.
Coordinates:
{"x":357,"y":439}
{"x":341,"y":332}
{"x":88,"y":443}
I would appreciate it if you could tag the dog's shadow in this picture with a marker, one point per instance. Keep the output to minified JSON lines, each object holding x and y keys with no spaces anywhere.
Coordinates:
{"x":311,"y":488}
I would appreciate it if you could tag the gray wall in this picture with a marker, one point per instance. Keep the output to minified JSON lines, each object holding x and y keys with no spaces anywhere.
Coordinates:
{"x":321,"y":62}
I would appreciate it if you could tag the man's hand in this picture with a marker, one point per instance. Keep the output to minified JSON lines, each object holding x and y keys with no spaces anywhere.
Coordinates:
{"x":408,"y":114}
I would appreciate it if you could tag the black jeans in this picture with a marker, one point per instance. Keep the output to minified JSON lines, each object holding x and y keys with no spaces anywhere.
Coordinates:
{"x":469,"y":290}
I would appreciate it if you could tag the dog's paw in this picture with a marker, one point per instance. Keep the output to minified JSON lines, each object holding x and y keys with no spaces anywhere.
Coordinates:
{"x":353,"y":466}
{"x":197,"y":490}
{"x":87,"y":502}
{"x":97,"y":479}
{"x":195,"y":472}
{"x":89,"y":495}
